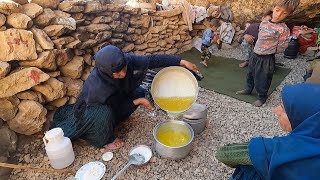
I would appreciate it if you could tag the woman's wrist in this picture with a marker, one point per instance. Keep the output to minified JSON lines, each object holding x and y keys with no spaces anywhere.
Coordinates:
{"x":182,"y":62}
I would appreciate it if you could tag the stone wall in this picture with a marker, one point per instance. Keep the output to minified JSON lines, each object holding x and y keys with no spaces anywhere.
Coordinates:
{"x":245,"y":10}
{"x":47,"y":49}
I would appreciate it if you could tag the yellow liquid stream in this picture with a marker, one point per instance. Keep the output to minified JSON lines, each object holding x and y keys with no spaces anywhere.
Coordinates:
{"x":173,"y":138}
{"x":174,"y":104}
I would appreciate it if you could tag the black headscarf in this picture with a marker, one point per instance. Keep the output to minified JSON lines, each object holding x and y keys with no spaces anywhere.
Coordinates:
{"x":100,"y":84}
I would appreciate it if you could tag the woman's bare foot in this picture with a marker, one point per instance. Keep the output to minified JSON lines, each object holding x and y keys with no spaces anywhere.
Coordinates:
{"x":116,"y":144}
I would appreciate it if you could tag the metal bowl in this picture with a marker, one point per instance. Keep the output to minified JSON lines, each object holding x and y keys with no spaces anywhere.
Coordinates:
{"x":174,"y":82}
{"x":169,"y":152}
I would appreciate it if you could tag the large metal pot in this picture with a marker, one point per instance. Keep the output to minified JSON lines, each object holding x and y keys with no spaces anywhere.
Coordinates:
{"x":196,"y":117}
{"x":169,"y":152}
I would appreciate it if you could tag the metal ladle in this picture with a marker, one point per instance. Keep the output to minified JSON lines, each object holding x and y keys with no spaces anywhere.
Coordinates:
{"x":135,"y":159}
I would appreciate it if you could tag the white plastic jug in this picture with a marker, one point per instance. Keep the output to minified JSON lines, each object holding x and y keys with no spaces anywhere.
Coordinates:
{"x":59,"y":148}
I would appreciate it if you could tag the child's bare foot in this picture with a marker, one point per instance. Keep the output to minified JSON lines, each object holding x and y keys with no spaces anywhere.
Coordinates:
{"x":116,"y":144}
{"x":204,"y":63}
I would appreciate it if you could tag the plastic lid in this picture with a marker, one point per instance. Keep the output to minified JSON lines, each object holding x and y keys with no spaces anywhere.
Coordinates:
{"x":54,"y":134}
{"x":107,"y":156}
{"x":196,"y":111}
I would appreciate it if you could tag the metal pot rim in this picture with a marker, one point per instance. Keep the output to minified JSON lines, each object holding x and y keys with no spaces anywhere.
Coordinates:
{"x":177,"y":122}
{"x":168,"y":69}
{"x":196,"y":111}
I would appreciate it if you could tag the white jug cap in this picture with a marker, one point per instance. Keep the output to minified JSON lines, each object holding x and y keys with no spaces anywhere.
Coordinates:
{"x":54,"y":134}
{"x":107,"y":156}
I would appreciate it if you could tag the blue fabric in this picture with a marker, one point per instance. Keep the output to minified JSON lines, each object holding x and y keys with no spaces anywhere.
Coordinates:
{"x":297,"y":155}
{"x":206,"y":37}
{"x":245,"y":173}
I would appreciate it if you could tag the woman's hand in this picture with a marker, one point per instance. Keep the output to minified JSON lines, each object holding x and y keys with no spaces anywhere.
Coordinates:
{"x":189,"y":65}
{"x":144,"y":102}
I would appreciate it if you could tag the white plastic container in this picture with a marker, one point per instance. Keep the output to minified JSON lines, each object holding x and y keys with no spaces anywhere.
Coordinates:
{"x":59,"y":148}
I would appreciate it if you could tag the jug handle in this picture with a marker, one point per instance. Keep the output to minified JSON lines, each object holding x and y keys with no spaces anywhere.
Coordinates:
{"x":44,"y":139}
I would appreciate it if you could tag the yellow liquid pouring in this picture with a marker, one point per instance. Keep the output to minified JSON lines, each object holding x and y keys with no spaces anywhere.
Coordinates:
{"x":173,"y":138}
{"x":174,"y":104}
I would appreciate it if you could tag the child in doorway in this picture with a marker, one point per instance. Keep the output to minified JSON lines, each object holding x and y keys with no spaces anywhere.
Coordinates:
{"x":272,"y":38}
{"x":250,"y":37}
{"x":210,"y":37}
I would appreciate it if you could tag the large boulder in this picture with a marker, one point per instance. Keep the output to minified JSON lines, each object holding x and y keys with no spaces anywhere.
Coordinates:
{"x":55,"y":30}
{"x":45,"y":18}
{"x":103,"y":36}
{"x":42,"y":38}
{"x":46,"y":60}
{"x":63,"y":41}
{"x":72,"y":6}
{"x":102,"y":20}
{"x":32,"y":10}
{"x":67,"y":22}
{"x":17,"y":44}
{"x":4,"y":69}
{"x":119,"y":26}
{"x":9,"y":107}
{"x":8,"y":7}
{"x":53,"y":4}
{"x":63,"y":56}
{"x":2,"y":19}
{"x":21,"y":1}
{"x":28,"y":95}
{"x":19,"y":21}
{"x":4,"y":172}
{"x":86,"y":72}
{"x":51,"y":90}
{"x":60,"y":13}
{"x":73,"y":69}
{"x":59,"y":102}
{"x":74,"y":86}
{"x":95,"y":28}
{"x":21,"y":81}
{"x":8,"y":140}
{"x":129,"y":47}
{"x":30,"y":118}
{"x":94,"y":7}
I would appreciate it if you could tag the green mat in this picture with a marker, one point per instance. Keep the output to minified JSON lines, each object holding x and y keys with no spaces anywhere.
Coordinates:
{"x":224,"y":76}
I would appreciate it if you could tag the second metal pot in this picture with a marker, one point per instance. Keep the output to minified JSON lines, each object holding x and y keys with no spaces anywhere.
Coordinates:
{"x":196,"y":116}
{"x":198,"y":125}
{"x":169,"y":152}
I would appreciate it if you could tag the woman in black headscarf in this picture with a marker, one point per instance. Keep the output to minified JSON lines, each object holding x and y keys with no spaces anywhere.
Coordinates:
{"x":110,"y":94}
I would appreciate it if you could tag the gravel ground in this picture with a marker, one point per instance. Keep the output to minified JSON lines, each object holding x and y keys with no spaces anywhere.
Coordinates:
{"x":230,"y":121}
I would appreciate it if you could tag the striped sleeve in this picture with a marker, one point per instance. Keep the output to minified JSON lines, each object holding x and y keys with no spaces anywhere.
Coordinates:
{"x":283,"y":39}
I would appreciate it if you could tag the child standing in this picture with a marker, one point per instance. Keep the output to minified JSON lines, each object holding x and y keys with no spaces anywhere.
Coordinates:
{"x":272,"y":38}
{"x":209,"y":37}
{"x":250,"y":37}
